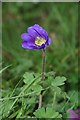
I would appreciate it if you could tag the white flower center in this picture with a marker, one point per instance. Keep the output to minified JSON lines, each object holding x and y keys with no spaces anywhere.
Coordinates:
{"x":39,"y":41}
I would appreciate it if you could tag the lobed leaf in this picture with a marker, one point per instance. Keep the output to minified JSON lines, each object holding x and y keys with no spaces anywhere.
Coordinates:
{"x":58,"y":81}
{"x":47,"y":113}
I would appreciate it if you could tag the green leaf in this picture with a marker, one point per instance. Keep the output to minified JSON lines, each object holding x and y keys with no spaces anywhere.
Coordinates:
{"x":74,"y":97}
{"x":37,"y":89}
{"x":30,"y":100}
{"x":6,"y":107}
{"x":5,"y":68}
{"x":51,"y":73}
{"x":19,"y":113}
{"x":46,"y":113}
{"x":58,"y":81}
{"x":14,"y":114}
{"x":28,"y":77}
{"x":47,"y":82}
{"x":40,"y":113}
{"x":57,"y":90}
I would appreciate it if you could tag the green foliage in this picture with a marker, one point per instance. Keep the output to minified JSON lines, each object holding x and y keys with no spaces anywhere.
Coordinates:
{"x":20,"y":96}
{"x":22,"y":101}
{"x":4,"y":69}
{"x":47,"y":113}
{"x":28,"y":78}
{"x":58,"y":81}
{"x":74,"y":98}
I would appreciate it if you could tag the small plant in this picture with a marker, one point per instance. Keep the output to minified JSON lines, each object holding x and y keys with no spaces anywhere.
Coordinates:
{"x":42,"y":94}
{"x":37,"y":38}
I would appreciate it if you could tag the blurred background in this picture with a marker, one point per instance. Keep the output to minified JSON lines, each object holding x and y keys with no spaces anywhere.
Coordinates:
{"x":60,"y":20}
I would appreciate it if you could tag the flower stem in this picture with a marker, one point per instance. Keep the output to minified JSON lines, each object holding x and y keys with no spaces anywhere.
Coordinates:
{"x":43,"y":67}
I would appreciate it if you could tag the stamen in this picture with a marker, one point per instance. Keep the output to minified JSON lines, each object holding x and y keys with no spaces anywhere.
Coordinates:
{"x":39,"y":41}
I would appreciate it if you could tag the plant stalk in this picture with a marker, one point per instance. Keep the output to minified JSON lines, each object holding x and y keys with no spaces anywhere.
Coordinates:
{"x":43,"y":77}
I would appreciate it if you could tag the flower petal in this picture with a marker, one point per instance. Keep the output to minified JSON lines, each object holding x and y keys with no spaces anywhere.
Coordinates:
{"x":28,"y":45}
{"x":72,"y":114}
{"x":32,"y":32}
{"x":40,"y":31}
{"x":49,"y":41}
{"x":26,"y":37}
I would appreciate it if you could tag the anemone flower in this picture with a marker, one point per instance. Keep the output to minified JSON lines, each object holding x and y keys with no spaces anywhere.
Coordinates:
{"x":36,"y":39}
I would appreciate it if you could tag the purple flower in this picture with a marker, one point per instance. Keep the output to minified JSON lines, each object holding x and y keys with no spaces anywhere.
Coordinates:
{"x":36,"y":38}
{"x":74,"y":114}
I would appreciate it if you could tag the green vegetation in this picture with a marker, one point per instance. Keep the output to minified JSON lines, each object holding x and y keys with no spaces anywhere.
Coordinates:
{"x":21,"y":77}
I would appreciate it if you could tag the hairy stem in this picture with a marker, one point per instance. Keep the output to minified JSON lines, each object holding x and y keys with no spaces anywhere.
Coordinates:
{"x":43,"y":66}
